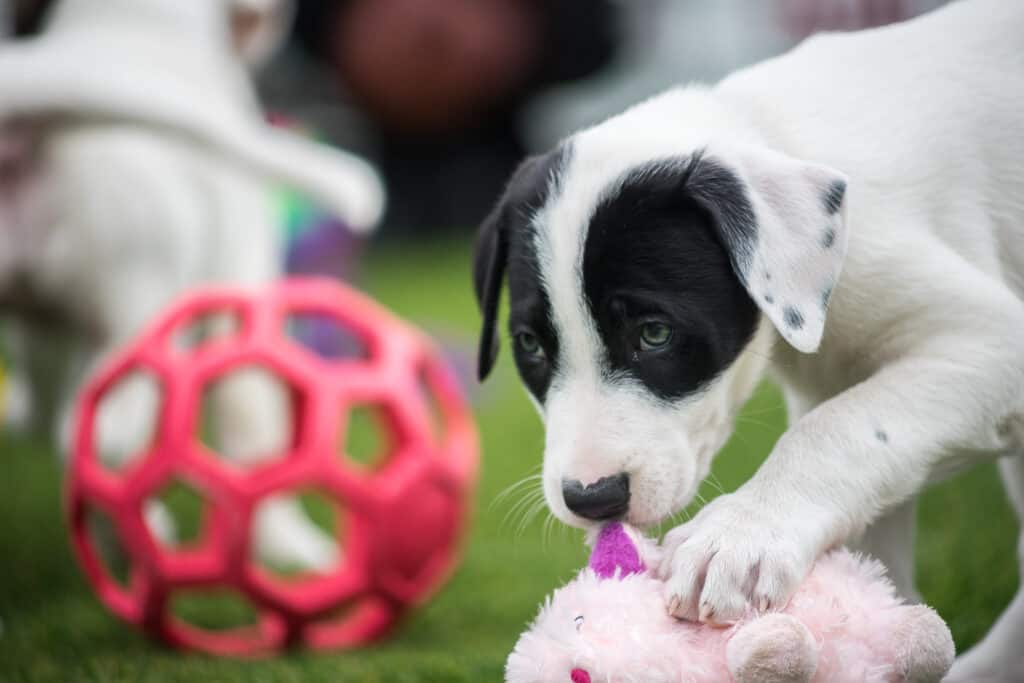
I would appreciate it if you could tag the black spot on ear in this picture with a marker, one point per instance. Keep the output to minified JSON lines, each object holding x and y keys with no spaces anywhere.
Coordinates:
{"x":834,"y":196}
{"x":881,"y":436}
{"x":829,"y":238}
{"x":793,"y":318}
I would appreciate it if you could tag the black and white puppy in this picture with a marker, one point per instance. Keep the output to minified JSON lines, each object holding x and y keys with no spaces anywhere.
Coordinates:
{"x":661,"y":262}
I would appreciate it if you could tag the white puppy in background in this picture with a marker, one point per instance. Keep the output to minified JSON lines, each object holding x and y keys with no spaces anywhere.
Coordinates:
{"x":135,"y":163}
{"x":849,"y":217}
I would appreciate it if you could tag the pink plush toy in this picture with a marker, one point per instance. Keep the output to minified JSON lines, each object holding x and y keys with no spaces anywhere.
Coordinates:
{"x":610,"y":625}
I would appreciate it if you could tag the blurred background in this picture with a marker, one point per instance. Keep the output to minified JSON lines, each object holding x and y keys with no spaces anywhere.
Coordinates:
{"x":445,"y":97}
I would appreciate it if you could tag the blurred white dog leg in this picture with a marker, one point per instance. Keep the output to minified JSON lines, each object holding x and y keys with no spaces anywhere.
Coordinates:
{"x":160,"y":522}
{"x":17,"y":400}
{"x":126,"y":420}
{"x":253,"y":409}
{"x":999,"y":657}
{"x":254,"y":425}
{"x":16,"y":393}
{"x":286,"y":538}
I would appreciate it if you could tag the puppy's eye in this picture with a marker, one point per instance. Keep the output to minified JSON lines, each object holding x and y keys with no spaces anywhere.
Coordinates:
{"x":654,"y":335}
{"x":530,"y":345}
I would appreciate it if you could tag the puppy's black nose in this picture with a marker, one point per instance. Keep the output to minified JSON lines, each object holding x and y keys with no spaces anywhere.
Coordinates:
{"x":606,"y":498}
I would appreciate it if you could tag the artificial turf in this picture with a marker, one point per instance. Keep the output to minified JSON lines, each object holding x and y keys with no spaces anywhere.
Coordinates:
{"x":53,"y":628}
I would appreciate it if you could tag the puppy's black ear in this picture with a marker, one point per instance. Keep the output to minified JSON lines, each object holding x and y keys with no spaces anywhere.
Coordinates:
{"x":526,"y":192}
{"x":490,"y":256}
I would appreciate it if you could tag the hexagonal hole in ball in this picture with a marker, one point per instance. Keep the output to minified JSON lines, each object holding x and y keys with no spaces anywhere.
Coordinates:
{"x":325,"y":336}
{"x":365,"y":438}
{"x":213,"y":609}
{"x":298,"y":534}
{"x":127,"y":419}
{"x":247,"y":417}
{"x":175,"y":515}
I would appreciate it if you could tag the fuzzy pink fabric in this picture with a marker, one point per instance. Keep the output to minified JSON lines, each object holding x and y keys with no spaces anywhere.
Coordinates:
{"x":843,"y":625}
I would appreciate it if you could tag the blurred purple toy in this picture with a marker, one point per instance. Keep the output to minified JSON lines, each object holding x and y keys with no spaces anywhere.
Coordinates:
{"x":318,"y":243}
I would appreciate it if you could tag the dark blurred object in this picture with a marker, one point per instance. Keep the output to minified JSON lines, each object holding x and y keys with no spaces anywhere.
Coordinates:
{"x":804,"y":17}
{"x":443,"y":83}
{"x":428,"y":67}
{"x":27,"y":16}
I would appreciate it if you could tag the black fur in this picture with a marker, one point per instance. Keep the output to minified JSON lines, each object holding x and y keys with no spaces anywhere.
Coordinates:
{"x":793,"y":317}
{"x":723,"y":196}
{"x":834,"y":196}
{"x":505,"y":242}
{"x":667,"y":247}
{"x":829,"y":238}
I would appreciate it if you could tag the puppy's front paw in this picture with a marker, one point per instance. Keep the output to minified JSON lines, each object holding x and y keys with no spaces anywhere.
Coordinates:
{"x":733,"y":557}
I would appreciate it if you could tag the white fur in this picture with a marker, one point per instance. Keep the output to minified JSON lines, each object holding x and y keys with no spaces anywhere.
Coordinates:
{"x":148,"y":169}
{"x":919,"y":369}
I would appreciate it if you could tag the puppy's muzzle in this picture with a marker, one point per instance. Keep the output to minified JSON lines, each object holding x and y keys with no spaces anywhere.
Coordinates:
{"x":606,"y":498}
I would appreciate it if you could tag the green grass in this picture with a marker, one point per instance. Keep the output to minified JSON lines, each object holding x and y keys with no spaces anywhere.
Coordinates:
{"x":52,"y":628}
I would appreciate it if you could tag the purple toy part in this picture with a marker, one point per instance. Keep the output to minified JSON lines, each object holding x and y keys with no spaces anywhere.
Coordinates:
{"x":328,"y":247}
{"x":615,"y":552}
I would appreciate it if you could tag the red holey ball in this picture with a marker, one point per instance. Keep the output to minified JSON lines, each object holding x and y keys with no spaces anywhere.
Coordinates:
{"x":403,"y":515}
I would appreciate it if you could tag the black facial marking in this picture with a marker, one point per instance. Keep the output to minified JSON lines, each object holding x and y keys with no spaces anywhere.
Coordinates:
{"x":656,"y":252}
{"x":829,"y":238}
{"x":793,"y":318}
{"x":505,"y":242}
{"x":834,"y":196}
{"x":882,"y":436}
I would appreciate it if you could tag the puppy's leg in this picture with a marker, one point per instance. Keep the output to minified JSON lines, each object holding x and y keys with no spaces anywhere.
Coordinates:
{"x":999,"y":657}
{"x":16,"y":395}
{"x":251,"y":410}
{"x":252,"y":413}
{"x":868,"y":449}
{"x":890,"y":540}
{"x":126,"y":418}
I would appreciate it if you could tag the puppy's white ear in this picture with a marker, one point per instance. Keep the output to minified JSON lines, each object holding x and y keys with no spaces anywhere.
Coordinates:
{"x":782,"y":221}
